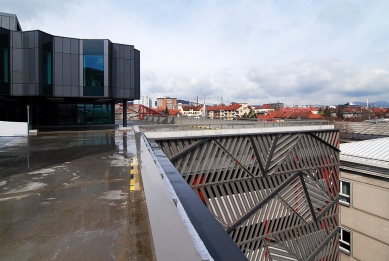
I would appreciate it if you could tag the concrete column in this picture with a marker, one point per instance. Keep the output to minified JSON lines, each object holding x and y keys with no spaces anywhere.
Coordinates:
{"x":28,"y":117}
{"x":124,"y":113}
{"x":29,"y":114}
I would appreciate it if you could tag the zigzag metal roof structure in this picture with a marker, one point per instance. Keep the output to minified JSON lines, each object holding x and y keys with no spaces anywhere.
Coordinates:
{"x":363,"y":130}
{"x":275,"y":194}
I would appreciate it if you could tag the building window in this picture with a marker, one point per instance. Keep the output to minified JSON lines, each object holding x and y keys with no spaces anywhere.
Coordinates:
{"x":47,"y":65}
{"x":344,"y":240}
{"x":4,"y":63}
{"x":344,"y":193}
{"x":93,"y":51}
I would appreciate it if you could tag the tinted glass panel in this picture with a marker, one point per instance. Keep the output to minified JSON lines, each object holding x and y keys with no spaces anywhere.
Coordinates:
{"x":345,"y":246}
{"x":93,"y":70}
{"x":345,"y":199}
{"x":47,"y":67}
{"x":346,"y":236}
{"x":93,"y":51}
{"x":345,"y":188}
{"x":97,"y":114}
{"x":13,"y":112}
{"x":93,"y":47}
{"x":80,"y":113}
{"x":4,"y":64}
{"x":94,"y":91}
{"x":89,"y":113}
{"x":48,"y":114}
{"x":105,"y":113}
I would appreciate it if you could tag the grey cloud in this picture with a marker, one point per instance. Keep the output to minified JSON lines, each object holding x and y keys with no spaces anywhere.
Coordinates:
{"x":28,"y":10}
{"x":179,"y":86}
{"x":340,"y":15}
{"x":321,"y":78}
{"x":245,"y":51}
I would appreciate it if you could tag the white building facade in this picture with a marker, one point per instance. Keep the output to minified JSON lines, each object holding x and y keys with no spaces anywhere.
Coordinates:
{"x":364,"y":207}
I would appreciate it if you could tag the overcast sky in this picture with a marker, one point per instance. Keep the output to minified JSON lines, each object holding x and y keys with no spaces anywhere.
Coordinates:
{"x":292,"y":51}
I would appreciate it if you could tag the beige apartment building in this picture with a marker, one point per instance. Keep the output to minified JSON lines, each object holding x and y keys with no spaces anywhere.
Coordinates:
{"x":364,"y":202}
{"x":190,"y":111}
{"x":167,"y":102}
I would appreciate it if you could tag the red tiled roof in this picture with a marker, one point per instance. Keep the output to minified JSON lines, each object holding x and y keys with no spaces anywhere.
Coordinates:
{"x":171,"y":112}
{"x":231,"y":107}
{"x":379,"y":109}
{"x":265,"y":106}
{"x":174,"y":112}
{"x":188,"y":108}
{"x":351,"y":109}
{"x":291,"y":113}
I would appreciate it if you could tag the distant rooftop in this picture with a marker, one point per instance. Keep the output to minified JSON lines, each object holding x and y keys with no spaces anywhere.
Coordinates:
{"x":364,"y":128}
{"x":365,"y":152}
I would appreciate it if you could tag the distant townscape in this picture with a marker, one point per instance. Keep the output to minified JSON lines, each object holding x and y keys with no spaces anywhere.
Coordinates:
{"x":271,"y":112}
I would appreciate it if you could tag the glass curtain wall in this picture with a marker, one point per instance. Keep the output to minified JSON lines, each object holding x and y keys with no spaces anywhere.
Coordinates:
{"x":4,"y":61}
{"x":70,"y":114}
{"x":47,"y":71}
{"x":13,"y":112}
{"x":93,"y":52}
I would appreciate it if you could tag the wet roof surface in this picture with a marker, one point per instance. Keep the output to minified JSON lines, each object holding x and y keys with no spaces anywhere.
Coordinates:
{"x":5,"y":140}
{"x":71,"y":196}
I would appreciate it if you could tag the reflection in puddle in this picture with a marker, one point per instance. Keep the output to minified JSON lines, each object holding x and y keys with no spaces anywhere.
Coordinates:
{"x":114,"y":195}
{"x":38,"y":153}
{"x":43,"y":171}
{"x":28,"y":187}
{"x":15,"y":198}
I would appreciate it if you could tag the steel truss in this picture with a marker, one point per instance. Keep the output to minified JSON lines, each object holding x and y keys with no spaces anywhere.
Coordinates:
{"x":141,"y":111}
{"x":276,"y":195}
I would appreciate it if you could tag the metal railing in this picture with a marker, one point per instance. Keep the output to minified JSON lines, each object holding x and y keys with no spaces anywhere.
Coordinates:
{"x":181,"y":123}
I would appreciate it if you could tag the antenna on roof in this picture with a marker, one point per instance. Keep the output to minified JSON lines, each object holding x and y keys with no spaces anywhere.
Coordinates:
{"x":204,"y":110}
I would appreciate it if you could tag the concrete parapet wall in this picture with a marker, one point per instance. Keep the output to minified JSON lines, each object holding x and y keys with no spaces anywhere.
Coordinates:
{"x":8,"y":128}
{"x":170,"y":237}
{"x":254,"y":122}
{"x":223,"y":132}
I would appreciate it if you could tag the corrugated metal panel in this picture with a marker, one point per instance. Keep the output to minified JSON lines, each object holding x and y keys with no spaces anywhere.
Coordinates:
{"x":376,"y":150}
{"x":275,"y":194}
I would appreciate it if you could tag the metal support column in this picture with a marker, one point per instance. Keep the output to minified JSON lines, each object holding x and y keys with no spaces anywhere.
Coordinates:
{"x":124,"y":113}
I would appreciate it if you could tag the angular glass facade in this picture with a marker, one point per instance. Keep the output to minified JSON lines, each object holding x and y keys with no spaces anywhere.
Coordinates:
{"x":93,"y":55}
{"x":63,"y":81}
{"x":4,"y":62}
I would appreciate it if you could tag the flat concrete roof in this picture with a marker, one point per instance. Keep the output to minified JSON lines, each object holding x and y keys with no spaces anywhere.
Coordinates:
{"x":72,"y":196}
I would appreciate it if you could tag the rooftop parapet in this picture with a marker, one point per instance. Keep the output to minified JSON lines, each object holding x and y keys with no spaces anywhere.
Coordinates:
{"x":10,"y":22}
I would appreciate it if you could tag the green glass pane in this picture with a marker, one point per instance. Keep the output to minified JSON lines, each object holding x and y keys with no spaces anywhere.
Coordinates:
{"x":89,"y":113}
{"x":6,"y":62}
{"x":346,"y":188}
{"x":345,"y":199}
{"x":93,"y":70}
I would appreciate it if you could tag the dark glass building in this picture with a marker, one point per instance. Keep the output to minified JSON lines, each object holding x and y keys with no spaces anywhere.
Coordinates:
{"x":53,"y":80}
